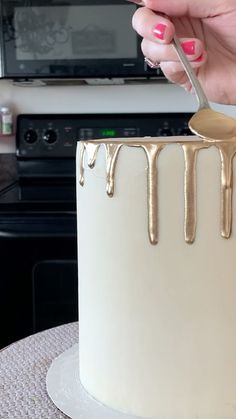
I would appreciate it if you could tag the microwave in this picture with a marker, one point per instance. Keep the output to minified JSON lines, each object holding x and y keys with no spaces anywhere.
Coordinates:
{"x":79,"y":39}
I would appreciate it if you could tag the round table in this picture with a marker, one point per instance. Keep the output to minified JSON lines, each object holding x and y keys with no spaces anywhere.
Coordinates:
{"x":23,"y":368}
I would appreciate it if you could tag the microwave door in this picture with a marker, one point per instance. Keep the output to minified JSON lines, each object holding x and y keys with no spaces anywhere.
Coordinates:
{"x":75,"y":39}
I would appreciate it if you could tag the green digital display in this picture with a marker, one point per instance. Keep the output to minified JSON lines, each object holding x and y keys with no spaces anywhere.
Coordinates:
{"x":108,"y":132}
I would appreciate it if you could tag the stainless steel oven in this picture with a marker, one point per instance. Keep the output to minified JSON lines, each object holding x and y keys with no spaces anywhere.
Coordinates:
{"x":70,"y":39}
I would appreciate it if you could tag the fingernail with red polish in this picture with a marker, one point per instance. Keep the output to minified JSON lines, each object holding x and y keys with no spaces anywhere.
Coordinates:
{"x":136,"y":1}
{"x":188,"y":47}
{"x":199,"y":59}
{"x":159,"y":31}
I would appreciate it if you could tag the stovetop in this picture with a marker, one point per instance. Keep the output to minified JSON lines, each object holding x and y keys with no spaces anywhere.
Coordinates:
{"x":44,"y":177}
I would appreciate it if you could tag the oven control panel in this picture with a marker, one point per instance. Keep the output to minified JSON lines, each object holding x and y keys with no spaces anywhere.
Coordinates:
{"x":48,"y":136}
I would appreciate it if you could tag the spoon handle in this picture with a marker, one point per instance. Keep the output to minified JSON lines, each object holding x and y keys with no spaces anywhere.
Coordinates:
{"x":202,"y":99}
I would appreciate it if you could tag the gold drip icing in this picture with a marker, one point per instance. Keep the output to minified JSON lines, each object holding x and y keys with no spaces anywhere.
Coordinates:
{"x":92,"y":150}
{"x":152,"y":147}
{"x":152,"y":151}
{"x":227,"y":153}
{"x":82,"y":153}
{"x":190,"y":190}
{"x":112,"y":151}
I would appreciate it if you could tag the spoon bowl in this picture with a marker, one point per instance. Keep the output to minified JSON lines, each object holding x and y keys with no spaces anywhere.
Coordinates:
{"x":213,"y":125}
{"x":206,"y":123}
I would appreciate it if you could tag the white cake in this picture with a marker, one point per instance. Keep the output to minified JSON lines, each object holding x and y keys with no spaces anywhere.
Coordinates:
{"x":157,"y":276}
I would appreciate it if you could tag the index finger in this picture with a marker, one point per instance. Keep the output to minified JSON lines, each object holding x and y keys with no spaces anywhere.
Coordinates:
{"x":152,"y":26}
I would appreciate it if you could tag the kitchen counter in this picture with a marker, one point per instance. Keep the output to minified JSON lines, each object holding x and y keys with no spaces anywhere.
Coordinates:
{"x":7,"y":144}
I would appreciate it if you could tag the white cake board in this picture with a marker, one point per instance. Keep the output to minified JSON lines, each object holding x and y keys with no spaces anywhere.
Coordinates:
{"x":67,"y":393}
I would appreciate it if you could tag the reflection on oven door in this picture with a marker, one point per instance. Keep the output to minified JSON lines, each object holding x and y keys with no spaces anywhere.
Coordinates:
{"x":55,"y":293}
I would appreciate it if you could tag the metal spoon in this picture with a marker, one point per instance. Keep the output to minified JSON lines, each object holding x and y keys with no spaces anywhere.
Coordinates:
{"x":206,"y":122}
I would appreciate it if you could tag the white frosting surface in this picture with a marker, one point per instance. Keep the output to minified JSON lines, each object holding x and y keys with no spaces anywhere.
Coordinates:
{"x":157,"y":323}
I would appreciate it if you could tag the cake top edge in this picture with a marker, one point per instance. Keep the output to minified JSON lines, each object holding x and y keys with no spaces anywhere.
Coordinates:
{"x":178,"y":139}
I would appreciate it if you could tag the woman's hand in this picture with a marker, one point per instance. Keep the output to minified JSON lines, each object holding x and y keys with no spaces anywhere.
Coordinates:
{"x":207,"y":31}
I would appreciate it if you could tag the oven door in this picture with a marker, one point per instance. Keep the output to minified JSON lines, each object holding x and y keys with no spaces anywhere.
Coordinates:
{"x":72,"y":39}
{"x":38,"y":274}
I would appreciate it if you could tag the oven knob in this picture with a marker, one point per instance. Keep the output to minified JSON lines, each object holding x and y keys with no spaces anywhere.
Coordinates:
{"x":30,"y":136}
{"x":50,"y":136}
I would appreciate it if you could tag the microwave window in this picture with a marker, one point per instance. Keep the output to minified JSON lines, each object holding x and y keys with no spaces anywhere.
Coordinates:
{"x":75,"y":32}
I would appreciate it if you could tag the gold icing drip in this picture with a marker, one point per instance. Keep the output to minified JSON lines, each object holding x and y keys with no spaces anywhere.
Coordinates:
{"x":92,"y":150}
{"x":227,"y":153}
{"x":190,"y":190}
{"x":112,"y":151}
{"x":152,"y":151}
{"x":152,"y":148}
{"x":82,"y":153}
